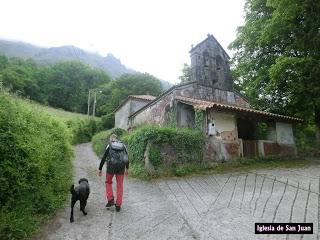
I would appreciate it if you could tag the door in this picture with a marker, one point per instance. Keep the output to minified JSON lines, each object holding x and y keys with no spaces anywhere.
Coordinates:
{"x":250,"y":148}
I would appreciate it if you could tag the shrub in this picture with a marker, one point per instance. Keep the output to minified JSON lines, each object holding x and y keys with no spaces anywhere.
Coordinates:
{"x":187,"y":143}
{"x":82,"y":130}
{"x":107,"y":121}
{"x":305,"y":137}
{"x":185,"y":146}
{"x":35,"y":167}
{"x":155,"y":156}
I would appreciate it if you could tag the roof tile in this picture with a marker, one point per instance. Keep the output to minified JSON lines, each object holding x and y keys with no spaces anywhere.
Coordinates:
{"x":203,"y":105}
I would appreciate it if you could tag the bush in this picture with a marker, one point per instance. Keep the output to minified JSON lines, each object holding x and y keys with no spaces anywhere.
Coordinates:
{"x":305,"y":137}
{"x":101,"y":139}
{"x":82,"y":130}
{"x":107,"y":121}
{"x":185,"y":153}
{"x":187,"y":143}
{"x":35,"y":167}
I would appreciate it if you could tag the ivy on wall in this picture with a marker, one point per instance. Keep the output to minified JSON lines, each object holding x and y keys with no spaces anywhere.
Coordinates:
{"x":186,"y":142}
{"x":199,"y":119}
{"x":172,"y":117}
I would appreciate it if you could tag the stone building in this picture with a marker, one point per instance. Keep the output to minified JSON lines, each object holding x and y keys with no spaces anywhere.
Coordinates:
{"x":226,"y":118}
{"x":130,"y":105}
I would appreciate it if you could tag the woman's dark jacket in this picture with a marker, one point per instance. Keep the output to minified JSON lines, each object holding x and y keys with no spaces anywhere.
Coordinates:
{"x":110,"y":168}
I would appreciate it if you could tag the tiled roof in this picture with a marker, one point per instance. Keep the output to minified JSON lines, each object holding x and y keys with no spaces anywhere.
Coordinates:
{"x":159,"y":97}
{"x":148,"y":98}
{"x":203,"y":105}
{"x":144,"y":97}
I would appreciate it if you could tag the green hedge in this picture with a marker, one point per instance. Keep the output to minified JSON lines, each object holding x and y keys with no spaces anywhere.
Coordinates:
{"x":186,"y":142}
{"x":305,"y":138}
{"x":100,"y":140}
{"x":187,"y":148}
{"x":82,"y":130}
{"x":187,"y":145}
{"x":35,"y":167}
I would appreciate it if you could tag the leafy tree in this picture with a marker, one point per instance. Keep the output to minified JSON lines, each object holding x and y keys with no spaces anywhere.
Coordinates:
{"x":3,"y":62}
{"x":277,"y":57}
{"x":68,"y":84}
{"x":186,"y":73}
{"x":17,"y":75}
{"x":118,"y":90}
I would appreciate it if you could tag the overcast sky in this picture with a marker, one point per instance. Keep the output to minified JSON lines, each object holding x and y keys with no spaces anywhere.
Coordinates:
{"x":153,"y":36}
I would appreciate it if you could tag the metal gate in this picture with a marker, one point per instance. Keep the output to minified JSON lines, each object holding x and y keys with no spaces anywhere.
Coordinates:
{"x":250,"y":148}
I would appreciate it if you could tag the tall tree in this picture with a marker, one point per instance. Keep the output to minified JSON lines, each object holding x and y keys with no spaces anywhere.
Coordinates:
{"x":186,"y":73}
{"x":128,"y":84}
{"x":277,"y":58}
{"x":68,"y":84}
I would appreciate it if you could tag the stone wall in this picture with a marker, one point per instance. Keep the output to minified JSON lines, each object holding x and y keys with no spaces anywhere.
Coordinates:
{"x":210,"y":65}
{"x":215,"y":150}
{"x":185,"y":115}
{"x":215,"y":95}
{"x":272,"y":148}
{"x":224,"y":144}
{"x":156,"y":113}
{"x":284,"y":133}
{"x":136,"y":104}
{"x":121,"y":116}
{"x":131,"y":106}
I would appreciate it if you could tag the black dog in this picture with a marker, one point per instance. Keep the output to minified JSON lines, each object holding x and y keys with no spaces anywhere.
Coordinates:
{"x":80,"y":193}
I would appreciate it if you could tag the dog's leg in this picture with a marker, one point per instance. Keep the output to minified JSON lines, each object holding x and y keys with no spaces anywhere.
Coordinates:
{"x":72,"y":205}
{"x":82,"y":207}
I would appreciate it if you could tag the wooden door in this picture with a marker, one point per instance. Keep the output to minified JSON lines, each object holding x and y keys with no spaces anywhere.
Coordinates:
{"x":250,"y":148}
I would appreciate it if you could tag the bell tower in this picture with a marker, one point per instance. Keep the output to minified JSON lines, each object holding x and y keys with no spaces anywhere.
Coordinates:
{"x":210,"y":65}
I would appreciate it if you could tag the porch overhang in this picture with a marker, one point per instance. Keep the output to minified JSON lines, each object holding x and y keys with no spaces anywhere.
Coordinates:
{"x":204,"y":105}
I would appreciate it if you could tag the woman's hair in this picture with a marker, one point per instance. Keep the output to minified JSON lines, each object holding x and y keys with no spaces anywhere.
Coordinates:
{"x":113,"y":137}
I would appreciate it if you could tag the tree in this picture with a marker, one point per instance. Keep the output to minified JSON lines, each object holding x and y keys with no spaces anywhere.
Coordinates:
{"x":118,"y":90}
{"x":68,"y":85}
{"x":277,"y":58}
{"x":17,"y":75}
{"x":186,"y":74}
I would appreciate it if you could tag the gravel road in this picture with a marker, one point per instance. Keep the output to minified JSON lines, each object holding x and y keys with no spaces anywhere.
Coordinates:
{"x":221,"y":206}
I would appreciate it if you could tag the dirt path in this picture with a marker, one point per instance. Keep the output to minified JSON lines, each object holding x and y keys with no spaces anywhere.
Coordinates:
{"x":223,"y":206}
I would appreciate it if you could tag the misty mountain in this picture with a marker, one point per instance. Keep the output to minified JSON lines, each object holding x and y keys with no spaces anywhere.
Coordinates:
{"x":110,"y":63}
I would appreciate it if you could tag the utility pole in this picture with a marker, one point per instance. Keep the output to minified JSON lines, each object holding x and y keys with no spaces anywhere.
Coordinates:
{"x":94,"y":103}
{"x":88,"y":112}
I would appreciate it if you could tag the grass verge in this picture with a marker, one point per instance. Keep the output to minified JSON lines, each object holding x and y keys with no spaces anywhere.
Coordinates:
{"x":239,"y":165}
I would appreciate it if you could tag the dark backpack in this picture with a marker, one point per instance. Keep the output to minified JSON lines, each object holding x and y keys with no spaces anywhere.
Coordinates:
{"x":118,"y":155}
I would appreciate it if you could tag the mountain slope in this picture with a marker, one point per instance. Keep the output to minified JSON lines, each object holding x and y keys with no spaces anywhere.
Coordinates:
{"x":110,"y":63}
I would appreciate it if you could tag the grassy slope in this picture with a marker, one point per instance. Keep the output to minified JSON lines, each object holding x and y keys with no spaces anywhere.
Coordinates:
{"x":59,"y":114}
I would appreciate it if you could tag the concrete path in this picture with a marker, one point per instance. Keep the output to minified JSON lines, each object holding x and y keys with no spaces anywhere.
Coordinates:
{"x":223,"y":206}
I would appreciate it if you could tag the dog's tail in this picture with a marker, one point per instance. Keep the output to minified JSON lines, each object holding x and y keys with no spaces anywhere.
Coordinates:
{"x":72,"y":189}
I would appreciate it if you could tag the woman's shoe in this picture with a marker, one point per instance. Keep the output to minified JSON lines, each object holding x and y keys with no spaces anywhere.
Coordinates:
{"x":118,"y":208}
{"x":110,"y":203}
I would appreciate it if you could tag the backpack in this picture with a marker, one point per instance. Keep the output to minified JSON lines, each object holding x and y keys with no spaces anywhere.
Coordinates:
{"x":118,"y":155}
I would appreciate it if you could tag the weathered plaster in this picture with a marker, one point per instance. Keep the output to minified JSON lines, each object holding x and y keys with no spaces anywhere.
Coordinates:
{"x":284,"y":133}
{"x":210,"y":65}
{"x":217,"y":150}
{"x":225,"y":125}
{"x":272,"y":132}
{"x":272,"y":148}
{"x":186,"y":115}
{"x":121,"y":116}
{"x":210,"y":94}
{"x":154,"y":114}
{"x":224,"y":145}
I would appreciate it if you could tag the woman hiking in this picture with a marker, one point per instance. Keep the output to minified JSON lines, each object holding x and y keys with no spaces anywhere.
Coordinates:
{"x":118,"y":165}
